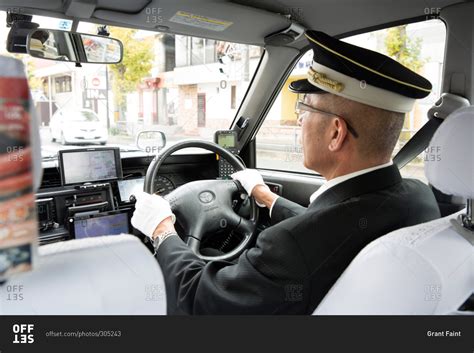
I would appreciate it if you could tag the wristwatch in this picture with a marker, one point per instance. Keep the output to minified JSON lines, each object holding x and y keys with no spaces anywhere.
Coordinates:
{"x":161,"y":238}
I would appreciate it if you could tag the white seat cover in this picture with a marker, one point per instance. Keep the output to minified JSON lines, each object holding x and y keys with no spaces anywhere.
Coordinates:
{"x":110,"y":275}
{"x":425,"y":269}
{"x":449,"y":162}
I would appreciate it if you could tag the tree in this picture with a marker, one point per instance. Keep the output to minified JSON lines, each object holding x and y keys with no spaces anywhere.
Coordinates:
{"x":136,"y":64}
{"x":34,"y":82}
{"x":404,"y":49}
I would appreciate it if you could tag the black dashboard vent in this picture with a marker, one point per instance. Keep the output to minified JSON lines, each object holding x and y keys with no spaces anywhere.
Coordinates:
{"x":130,"y":173}
{"x":51,"y":178}
{"x":48,"y":239}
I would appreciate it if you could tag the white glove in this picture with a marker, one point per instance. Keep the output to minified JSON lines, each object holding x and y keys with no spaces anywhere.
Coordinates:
{"x":249,"y":178}
{"x":150,"y":211}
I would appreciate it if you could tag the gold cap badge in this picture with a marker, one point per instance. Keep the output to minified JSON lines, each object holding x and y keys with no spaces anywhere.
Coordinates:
{"x":323,"y":80}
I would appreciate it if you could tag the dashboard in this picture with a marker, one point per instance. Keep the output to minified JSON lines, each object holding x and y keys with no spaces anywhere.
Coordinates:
{"x":88,"y":192}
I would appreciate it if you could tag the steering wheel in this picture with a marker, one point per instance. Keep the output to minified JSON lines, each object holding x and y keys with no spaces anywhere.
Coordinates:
{"x":204,"y":207}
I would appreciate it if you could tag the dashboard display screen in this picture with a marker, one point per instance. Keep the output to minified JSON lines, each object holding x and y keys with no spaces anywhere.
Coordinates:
{"x":89,"y":165}
{"x":86,"y":227}
{"x":130,"y":187}
{"x":226,"y":141}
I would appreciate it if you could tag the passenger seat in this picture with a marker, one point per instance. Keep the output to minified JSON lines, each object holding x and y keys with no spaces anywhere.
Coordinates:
{"x":109,"y":275}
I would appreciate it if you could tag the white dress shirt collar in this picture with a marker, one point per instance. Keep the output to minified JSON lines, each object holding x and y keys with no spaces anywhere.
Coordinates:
{"x":333,"y":182}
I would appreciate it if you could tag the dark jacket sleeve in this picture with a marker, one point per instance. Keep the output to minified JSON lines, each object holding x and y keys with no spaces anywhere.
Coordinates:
{"x":283,"y":209}
{"x":267,"y":279}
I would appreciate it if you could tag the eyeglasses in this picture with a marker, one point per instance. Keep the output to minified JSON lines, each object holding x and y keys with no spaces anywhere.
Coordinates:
{"x":300,"y":107}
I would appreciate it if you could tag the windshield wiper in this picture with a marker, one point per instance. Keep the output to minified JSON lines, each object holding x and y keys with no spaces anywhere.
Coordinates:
{"x":126,"y":149}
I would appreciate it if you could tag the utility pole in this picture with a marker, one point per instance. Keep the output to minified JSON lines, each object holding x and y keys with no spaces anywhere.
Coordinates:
{"x":246,"y":59}
{"x":107,"y":95}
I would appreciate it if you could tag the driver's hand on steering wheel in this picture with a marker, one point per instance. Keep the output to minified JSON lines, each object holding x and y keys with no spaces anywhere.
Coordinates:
{"x":152,"y":215}
{"x":254,"y":185}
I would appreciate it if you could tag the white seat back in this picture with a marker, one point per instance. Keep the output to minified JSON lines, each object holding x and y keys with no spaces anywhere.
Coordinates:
{"x":110,"y":275}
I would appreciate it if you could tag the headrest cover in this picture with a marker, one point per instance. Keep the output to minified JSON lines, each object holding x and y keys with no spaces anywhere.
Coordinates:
{"x":19,"y":157}
{"x":449,"y":159}
{"x":360,"y":75}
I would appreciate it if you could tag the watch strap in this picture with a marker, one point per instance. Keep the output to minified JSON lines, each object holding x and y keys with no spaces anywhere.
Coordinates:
{"x":161,"y":238}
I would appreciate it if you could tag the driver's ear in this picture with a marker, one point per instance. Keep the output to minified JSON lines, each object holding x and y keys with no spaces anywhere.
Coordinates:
{"x":338,"y":130}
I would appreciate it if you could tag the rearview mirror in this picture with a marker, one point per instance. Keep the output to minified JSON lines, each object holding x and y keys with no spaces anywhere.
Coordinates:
{"x":74,"y":47}
{"x":151,"y":141}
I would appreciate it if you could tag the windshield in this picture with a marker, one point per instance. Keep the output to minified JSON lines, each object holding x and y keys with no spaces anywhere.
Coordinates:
{"x":84,"y":116}
{"x":186,"y":87}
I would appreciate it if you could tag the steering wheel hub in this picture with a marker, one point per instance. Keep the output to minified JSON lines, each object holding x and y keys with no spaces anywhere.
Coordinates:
{"x":206,"y":196}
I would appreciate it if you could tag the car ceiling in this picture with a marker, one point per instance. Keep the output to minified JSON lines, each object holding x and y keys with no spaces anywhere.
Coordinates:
{"x":252,"y":20}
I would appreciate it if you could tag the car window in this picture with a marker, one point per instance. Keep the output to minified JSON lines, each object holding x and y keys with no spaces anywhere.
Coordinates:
{"x":184,"y":86}
{"x":420,"y":46}
{"x":84,"y":116}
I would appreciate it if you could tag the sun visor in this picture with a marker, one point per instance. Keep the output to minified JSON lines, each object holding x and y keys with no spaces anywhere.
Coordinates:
{"x":213,"y":19}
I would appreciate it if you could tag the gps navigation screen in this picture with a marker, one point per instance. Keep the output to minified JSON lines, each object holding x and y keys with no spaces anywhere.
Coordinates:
{"x":130,"y":187}
{"x":226,"y":141}
{"x":88,"y":166}
{"x":103,"y":225}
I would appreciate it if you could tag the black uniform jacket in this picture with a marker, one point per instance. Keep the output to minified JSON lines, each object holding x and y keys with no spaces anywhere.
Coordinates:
{"x":296,"y":261}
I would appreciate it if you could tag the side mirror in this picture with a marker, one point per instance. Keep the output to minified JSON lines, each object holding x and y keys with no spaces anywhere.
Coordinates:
{"x":151,"y":141}
{"x":73,"y":47}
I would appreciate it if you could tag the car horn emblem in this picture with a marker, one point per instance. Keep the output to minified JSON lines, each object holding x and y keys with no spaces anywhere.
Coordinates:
{"x":206,"y":196}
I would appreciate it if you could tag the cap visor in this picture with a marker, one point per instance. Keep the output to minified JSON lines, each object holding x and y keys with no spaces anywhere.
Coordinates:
{"x":303,"y":86}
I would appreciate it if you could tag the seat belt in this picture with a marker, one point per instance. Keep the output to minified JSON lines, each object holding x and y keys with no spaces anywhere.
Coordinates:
{"x":444,"y":106}
{"x":417,"y":144}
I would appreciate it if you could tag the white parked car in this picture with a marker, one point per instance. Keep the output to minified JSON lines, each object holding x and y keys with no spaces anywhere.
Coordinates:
{"x":77,"y":127}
